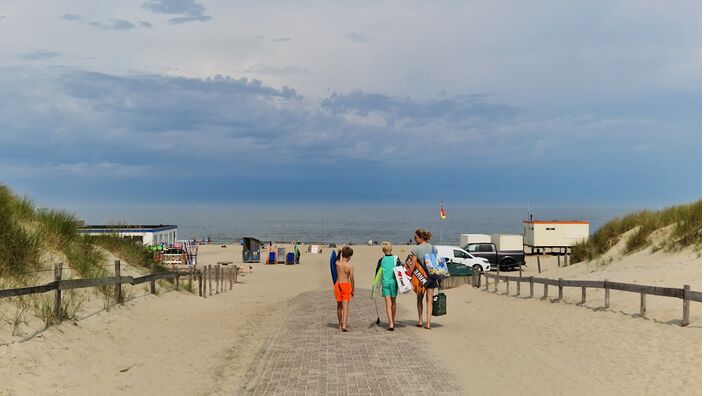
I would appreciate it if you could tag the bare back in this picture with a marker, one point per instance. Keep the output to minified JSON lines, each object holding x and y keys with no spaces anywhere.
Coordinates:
{"x":344,"y":270}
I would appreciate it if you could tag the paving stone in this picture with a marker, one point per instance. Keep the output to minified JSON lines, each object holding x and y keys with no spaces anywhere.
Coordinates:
{"x":310,"y":356}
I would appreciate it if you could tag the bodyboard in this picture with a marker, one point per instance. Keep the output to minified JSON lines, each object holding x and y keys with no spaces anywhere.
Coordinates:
{"x":403,"y":281}
{"x":333,"y":268}
{"x":419,"y":278}
{"x":376,"y":285}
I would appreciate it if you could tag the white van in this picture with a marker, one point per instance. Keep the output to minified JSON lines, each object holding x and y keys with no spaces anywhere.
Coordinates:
{"x":458,"y":255}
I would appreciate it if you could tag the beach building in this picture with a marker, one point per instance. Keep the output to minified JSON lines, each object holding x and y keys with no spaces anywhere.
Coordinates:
{"x":561,"y":235}
{"x":147,"y":234}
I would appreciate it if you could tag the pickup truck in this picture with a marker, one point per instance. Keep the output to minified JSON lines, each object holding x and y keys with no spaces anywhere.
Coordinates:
{"x":506,"y":259}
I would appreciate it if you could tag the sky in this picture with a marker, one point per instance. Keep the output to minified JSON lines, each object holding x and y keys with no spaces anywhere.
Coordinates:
{"x":542,"y":103}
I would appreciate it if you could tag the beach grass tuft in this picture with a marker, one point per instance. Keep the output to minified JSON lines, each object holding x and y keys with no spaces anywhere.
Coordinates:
{"x":686,"y":232}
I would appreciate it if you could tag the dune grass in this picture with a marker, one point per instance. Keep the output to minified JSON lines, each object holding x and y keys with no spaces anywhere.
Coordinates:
{"x":126,"y":250}
{"x":687,"y":231}
{"x":20,"y":251}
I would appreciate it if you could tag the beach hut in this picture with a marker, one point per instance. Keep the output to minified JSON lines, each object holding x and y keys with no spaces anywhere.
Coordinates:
{"x":251,"y":250}
{"x":543,"y":235}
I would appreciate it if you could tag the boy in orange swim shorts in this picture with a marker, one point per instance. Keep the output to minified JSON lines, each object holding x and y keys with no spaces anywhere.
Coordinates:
{"x":344,"y":287}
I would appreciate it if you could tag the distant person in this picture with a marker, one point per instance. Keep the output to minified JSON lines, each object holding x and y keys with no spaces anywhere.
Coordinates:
{"x":344,"y":287}
{"x":422,"y":248}
{"x":389,"y":288}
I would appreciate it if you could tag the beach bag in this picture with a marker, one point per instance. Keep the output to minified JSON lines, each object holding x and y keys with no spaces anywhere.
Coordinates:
{"x":437,"y":267}
{"x":402,"y":280}
{"x":419,"y":278}
{"x":439,"y":304}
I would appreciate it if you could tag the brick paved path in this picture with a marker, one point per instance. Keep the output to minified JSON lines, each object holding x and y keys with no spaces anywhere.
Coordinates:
{"x":306,"y":356}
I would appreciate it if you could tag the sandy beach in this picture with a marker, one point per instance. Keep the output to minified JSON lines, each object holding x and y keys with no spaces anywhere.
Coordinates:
{"x":178,"y":343}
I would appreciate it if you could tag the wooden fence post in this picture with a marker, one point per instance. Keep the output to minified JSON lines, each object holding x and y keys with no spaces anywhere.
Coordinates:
{"x":607,"y":301}
{"x":57,"y":298}
{"x":152,"y":283}
{"x":210,"y":280}
{"x":118,"y":286}
{"x":486,"y":284}
{"x":190,"y":279}
{"x":518,"y":287}
{"x":217,"y":279}
{"x":642,"y":305}
{"x":538,"y":257}
{"x":559,"y":288}
{"x":685,"y":306}
{"x":232,"y":277}
{"x":545,"y":291}
{"x":507,"y":284}
{"x":531,"y":287}
{"x":558,"y":261}
{"x":200,"y":283}
{"x":584,"y":295}
{"x":176,"y":283}
{"x":496,"y":284}
{"x":567,"y":259}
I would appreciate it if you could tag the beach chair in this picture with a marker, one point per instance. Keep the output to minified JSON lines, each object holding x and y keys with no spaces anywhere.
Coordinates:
{"x":281,"y":256}
{"x":272,"y":258}
{"x":290,"y":258}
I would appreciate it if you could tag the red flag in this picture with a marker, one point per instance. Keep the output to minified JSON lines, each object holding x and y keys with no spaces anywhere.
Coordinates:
{"x":443,"y":215}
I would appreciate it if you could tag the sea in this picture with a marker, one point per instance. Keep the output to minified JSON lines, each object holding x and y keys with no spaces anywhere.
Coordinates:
{"x":340,"y":223}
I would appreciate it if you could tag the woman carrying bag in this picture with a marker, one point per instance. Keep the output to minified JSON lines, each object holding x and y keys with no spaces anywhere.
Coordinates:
{"x":422,"y":248}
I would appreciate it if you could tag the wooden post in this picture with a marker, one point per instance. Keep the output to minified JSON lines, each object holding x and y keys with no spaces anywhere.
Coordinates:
{"x":118,"y":287}
{"x":531,"y":287}
{"x":217,"y":279}
{"x":607,"y":301}
{"x":538,"y":257}
{"x":567,"y":259}
{"x":190,"y":279}
{"x":559,"y":288}
{"x":507,"y":284}
{"x":496,"y":284}
{"x":57,"y":299}
{"x":545,"y":291}
{"x":558,"y":261}
{"x":176,"y":281}
{"x":518,"y":287}
{"x":232,"y":277}
{"x":479,"y":280}
{"x":152,"y":283}
{"x":200,"y":283}
{"x":685,"y":306}
{"x":642,"y":305}
{"x":486,"y":284}
{"x":210,"y":279}
{"x":584,"y":295}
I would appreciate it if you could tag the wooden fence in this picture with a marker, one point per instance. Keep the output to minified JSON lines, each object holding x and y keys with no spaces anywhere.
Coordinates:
{"x":685,"y":294}
{"x":220,"y":274}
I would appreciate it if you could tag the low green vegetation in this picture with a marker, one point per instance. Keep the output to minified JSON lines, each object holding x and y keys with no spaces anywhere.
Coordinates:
{"x":686,"y":231}
{"x":26,"y":233}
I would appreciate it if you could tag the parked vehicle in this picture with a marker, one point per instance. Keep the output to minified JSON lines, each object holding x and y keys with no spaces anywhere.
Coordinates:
{"x":506,"y":259}
{"x":457,"y":255}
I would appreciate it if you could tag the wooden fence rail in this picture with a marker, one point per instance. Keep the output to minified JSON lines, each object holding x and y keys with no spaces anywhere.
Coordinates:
{"x":684,"y":293}
{"x":116,"y":281}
